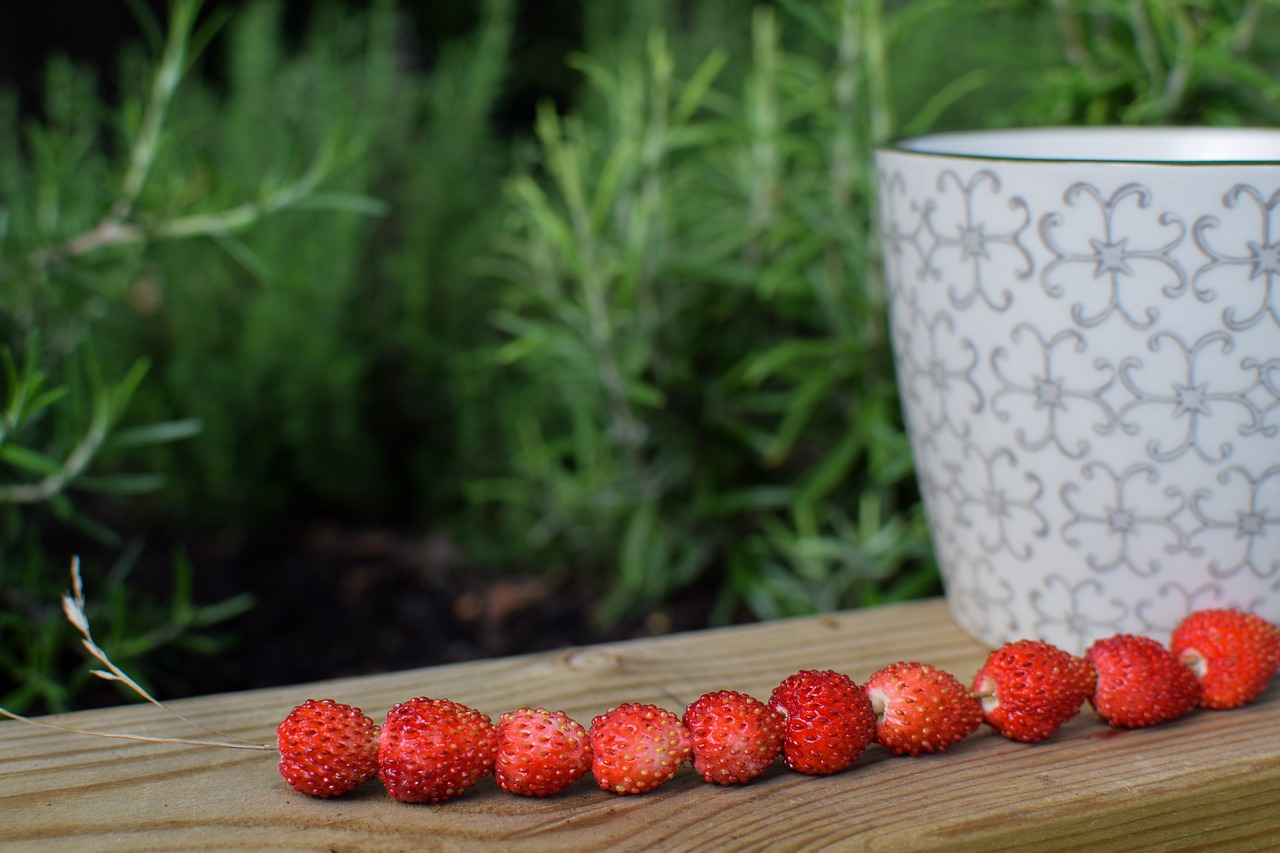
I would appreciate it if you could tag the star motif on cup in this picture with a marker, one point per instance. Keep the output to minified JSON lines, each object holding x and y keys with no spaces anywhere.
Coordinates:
{"x":1124,"y":531}
{"x":1005,"y":497}
{"x":973,"y":242}
{"x":1251,"y":523}
{"x":1236,"y":521}
{"x":938,"y":374}
{"x":1257,"y":295}
{"x":996,"y":503}
{"x":987,"y":238}
{"x":1048,"y":392}
{"x":1035,"y":391}
{"x":1188,"y":400}
{"x":1265,"y":258}
{"x":1119,"y":519}
{"x":979,"y":596}
{"x":930,"y":371}
{"x":1111,"y":257}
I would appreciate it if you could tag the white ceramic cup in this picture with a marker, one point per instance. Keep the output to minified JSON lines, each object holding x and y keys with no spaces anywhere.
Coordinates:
{"x":1086,"y":325}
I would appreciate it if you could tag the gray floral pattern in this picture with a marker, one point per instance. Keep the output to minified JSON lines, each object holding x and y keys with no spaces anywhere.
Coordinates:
{"x":1074,"y":614}
{"x":1236,"y":520}
{"x":1259,"y":260}
{"x":1116,"y":264}
{"x":1197,"y":398}
{"x":1092,"y":389}
{"x":936,"y":371}
{"x":1053,"y":393}
{"x":1113,"y":527}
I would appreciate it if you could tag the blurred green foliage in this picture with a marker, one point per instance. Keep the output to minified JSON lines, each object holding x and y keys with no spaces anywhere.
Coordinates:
{"x":638,"y":341}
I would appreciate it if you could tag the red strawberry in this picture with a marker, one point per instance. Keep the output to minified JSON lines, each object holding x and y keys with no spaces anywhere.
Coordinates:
{"x":920,"y":708}
{"x":327,"y":748}
{"x":1029,"y":688}
{"x":1234,"y":654}
{"x":1140,"y":683}
{"x":735,"y":736}
{"x":432,"y":750}
{"x":540,"y":752}
{"x":636,"y":747}
{"x":829,"y":721}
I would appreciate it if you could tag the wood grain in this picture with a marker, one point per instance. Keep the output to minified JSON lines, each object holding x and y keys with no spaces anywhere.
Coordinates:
{"x":1209,"y":780}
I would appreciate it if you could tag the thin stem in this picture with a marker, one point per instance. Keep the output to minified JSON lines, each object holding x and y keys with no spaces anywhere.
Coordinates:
{"x":648,"y":204}
{"x":845,"y":93}
{"x":1246,"y":27}
{"x":44,"y":724}
{"x":72,"y":466}
{"x":600,"y":334}
{"x":1179,"y":76}
{"x":877,"y":72}
{"x":168,"y":75}
{"x":73,"y":607}
{"x":1072,"y":36}
{"x":113,"y":232}
{"x":1148,"y":48}
{"x":115,"y":229}
{"x":845,"y":154}
{"x":763,"y":118}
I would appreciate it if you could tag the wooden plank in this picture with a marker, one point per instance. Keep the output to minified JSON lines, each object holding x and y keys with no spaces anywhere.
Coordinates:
{"x":1211,"y":779}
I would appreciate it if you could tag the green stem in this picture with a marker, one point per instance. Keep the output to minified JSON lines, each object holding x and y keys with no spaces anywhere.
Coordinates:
{"x":1179,"y":76}
{"x":1148,"y":48}
{"x":113,"y":232}
{"x":877,"y":72}
{"x":564,"y":162}
{"x":1072,"y":35}
{"x":73,"y":466}
{"x":168,"y":75}
{"x":762,"y":107}
{"x":845,"y":93}
{"x":1246,"y":26}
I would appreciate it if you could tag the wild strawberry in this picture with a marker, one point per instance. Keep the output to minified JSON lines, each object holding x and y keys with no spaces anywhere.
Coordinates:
{"x":327,"y":748}
{"x":540,"y":752}
{"x":1140,"y":683}
{"x":829,"y":721}
{"x":1029,"y":688}
{"x":735,"y":736}
{"x":1234,"y":654}
{"x":432,"y":750}
{"x":920,"y":708}
{"x":637,"y":747}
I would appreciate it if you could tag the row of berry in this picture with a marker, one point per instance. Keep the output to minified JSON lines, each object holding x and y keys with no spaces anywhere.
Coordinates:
{"x":432,"y":750}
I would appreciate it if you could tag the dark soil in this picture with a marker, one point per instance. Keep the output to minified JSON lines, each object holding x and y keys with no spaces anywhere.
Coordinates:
{"x":334,"y":601}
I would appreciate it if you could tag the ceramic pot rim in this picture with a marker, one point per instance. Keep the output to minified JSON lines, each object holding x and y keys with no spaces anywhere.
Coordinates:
{"x":1159,"y":146}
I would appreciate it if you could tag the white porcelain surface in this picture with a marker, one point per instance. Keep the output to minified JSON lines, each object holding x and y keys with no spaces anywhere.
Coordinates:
{"x":1108,"y":144}
{"x":1089,"y":357}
